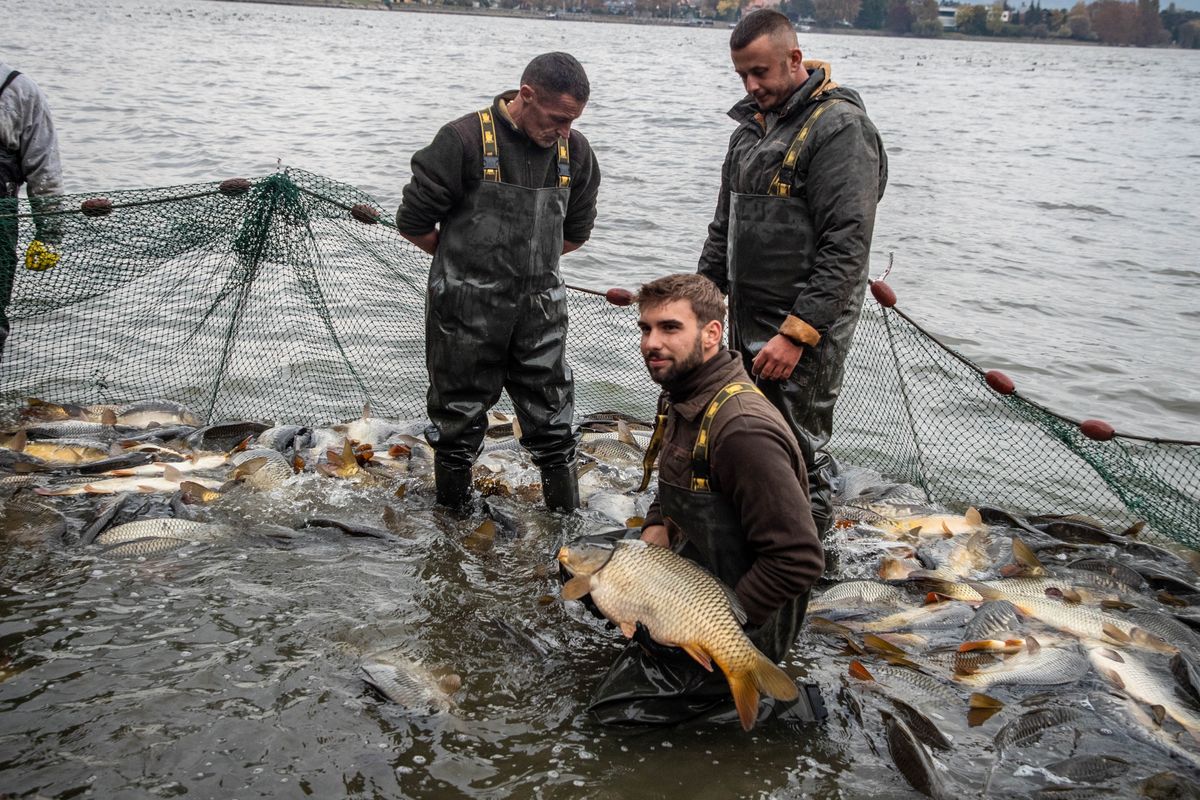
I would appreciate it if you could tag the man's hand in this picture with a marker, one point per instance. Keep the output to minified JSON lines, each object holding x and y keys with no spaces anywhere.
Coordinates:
{"x":570,"y":247}
{"x":777,"y":359}
{"x":40,"y":256}
{"x":426,"y":241}
{"x":656,"y":534}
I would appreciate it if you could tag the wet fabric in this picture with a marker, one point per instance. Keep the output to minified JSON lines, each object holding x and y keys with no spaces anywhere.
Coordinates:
{"x":496,"y":318}
{"x":8,"y":261}
{"x":802,"y":258}
{"x":28,"y":143}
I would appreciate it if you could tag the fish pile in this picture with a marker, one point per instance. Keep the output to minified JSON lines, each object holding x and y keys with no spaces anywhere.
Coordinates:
{"x":985,"y":632}
{"x":148,"y":478}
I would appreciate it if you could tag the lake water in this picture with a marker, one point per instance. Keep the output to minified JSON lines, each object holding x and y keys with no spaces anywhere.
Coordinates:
{"x":1042,"y":212}
{"x":1042,"y":207}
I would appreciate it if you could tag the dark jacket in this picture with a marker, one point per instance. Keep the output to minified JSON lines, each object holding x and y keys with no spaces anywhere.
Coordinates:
{"x":453,"y":162}
{"x":842,"y":173}
{"x":757,"y":466}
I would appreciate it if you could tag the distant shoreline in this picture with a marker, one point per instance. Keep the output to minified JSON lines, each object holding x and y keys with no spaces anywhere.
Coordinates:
{"x":617,"y":19}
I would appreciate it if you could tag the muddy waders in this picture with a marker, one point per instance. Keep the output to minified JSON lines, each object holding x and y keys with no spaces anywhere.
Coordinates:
{"x":11,"y":178}
{"x":496,"y":319}
{"x":771,"y":253}
{"x":664,"y":686}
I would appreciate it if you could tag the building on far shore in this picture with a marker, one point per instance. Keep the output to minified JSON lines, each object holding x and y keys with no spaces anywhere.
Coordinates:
{"x":946,"y":16}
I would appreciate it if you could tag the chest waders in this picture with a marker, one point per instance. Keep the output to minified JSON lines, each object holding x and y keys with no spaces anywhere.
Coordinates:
{"x":496,"y":318}
{"x":11,"y":178}
{"x":772,"y":249}
{"x":644,"y":689}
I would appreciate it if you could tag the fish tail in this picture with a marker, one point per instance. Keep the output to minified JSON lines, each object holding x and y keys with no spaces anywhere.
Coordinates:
{"x":762,"y":678}
{"x":745,"y":697}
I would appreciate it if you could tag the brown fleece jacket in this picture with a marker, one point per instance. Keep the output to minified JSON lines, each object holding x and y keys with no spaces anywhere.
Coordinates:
{"x":755,"y":463}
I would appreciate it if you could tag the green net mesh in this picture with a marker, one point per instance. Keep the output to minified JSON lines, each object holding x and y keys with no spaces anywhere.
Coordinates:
{"x":292,"y":298}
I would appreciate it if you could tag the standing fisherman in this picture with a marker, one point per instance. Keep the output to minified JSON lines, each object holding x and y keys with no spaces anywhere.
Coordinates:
{"x":495,"y":199}
{"x":791,"y":238}
{"x":28,"y":155}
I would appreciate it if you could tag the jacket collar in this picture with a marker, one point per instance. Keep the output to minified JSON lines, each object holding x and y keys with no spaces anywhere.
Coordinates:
{"x":819,"y":83}
{"x":691,"y":393}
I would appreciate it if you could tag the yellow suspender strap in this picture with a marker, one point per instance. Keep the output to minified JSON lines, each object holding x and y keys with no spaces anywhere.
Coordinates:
{"x":781,"y":184}
{"x":656,"y":440}
{"x":700,"y":467}
{"x":564,"y":164}
{"x":491,"y":150}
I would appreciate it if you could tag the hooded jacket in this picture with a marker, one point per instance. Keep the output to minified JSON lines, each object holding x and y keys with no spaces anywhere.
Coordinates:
{"x":842,"y":172}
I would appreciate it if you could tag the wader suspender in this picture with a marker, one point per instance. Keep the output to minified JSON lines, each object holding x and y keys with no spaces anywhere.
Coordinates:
{"x":656,"y":439}
{"x":700,"y":482}
{"x":12,"y":76}
{"x":491,"y":153}
{"x":700,"y":467}
{"x":781,"y":184}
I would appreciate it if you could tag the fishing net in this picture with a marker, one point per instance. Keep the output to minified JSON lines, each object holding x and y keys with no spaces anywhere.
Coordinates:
{"x":292,"y":298}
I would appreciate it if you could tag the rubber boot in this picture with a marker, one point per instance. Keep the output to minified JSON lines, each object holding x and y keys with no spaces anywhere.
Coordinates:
{"x":560,"y":488}
{"x":453,"y":486}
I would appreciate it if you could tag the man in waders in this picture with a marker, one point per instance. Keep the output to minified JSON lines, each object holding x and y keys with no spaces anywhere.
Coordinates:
{"x":496,"y":198}
{"x":28,"y":155}
{"x":791,"y":238}
{"x":732,"y":496}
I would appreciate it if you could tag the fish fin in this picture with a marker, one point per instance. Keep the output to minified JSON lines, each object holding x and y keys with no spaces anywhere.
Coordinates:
{"x":172,"y":473}
{"x":857,"y":670}
{"x":108,"y":417}
{"x":450,"y":683}
{"x":625,"y":436}
{"x":391,"y":520}
{"x":577,"y":587}
{"x":628,"y":630}
{"x":1133,"y":530}
{"x":882,"y":645}
{"x":116,"y":449}
{"x":18,"y":442}
{"x":121,"y":473}
{"x":1113,"y":678}
{"x":772,"y":681}
{"x":400,"y":450}
{"x":980,"y":700}
{"x":1119,"y":605}
{"x":980,"y":644}
{"x":745,"y":697}
{"x":696,"y":652}
{"x":1115,"y":633}
{"x":986,"y":592}
{"x":635,"y":522}
{"x":1031,"y":644}
{"x":1024,"y":556}
{"x":366,"y":410}
{"x":1160,"y":713}
{"x":242,"y":445}
{"x":145,"y":489}
{"x":517,"y":432}
{"x":248,"y":468}
{"x":973,"y":517}
{"x":946,"y":530}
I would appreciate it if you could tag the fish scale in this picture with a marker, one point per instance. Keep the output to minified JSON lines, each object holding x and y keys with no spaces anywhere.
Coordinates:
{"x":1048,"y":667}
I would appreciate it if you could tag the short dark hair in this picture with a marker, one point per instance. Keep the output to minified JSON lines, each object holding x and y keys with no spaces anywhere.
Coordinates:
{"x":765,"y":21}
{"x":703,"y":295}
{"x":559,"y":73}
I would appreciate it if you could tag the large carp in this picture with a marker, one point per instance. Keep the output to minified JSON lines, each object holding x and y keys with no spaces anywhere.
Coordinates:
{"x":680,"y":604}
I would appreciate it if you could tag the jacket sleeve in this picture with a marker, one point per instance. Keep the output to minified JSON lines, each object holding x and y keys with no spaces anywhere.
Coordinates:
{"x":712,"y":258}
{"x":437,"y":185}
{"x":755,"y":470}
{"x":843,"y":187}
{"x":585,"y":186}
{"x":39,"y":143}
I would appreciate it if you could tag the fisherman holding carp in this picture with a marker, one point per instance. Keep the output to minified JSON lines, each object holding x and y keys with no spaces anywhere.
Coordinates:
{"x":732,"y":498}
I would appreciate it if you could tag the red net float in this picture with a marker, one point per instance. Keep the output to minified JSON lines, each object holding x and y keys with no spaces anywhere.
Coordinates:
{"x":96,"y":207}
{"x":883,"y":294}
{"x":364,"y":214}
{"x":999,"y":382}
{"x":234,"y":186}
{"x":619,"y":297}
{"x":1097,"y":429}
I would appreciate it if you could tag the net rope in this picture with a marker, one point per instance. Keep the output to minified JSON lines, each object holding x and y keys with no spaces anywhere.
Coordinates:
{"x":292,"y":298}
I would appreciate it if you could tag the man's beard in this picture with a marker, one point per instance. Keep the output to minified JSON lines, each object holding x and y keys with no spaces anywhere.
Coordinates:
{"x":677,"y":369}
